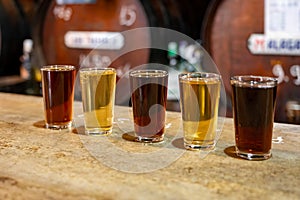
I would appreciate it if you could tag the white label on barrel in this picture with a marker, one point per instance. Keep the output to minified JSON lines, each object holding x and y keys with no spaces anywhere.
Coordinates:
{"x":127,"y":15}
{"x":94,"y":40}
{"x":282,"y":18}
{"x":279,"y":72}
{"x":267,"y":45}
{"x":91,"y":59}
{"x":62,"y":12}
{"x":295,"y":72}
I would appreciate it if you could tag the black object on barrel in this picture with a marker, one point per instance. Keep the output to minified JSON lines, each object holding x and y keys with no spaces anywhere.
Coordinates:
{"x":13,"y":30}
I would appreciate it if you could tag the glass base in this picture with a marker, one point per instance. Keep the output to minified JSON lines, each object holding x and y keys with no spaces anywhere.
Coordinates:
{"x":98,"y":131}
{"x":59,"y":126}
{"x":205,"y":145}
{"x":149,"y":140}
{"x":253,"y":156}
{"x":196,"y":147}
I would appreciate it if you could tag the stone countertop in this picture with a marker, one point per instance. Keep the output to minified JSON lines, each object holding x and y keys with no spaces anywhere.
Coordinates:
{"x":37,"y":163}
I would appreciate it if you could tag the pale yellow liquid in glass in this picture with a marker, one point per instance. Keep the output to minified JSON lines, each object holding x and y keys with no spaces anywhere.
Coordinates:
{"x":98,"y":95}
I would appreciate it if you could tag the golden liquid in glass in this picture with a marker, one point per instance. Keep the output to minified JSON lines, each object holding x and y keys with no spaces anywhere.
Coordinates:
{"x":199,"y":106}
{"x":98,"y":97}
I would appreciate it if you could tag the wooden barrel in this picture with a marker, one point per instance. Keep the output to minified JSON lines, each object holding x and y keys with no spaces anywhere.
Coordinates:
{"x":234,"y":34}
{"x":62,"y":23}
{"x":13,"y":30}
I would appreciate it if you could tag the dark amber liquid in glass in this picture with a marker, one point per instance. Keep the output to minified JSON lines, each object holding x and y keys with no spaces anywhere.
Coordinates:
{"x":149,"y":105}
{"x":58,"y":91}
{"x":254,"y":113}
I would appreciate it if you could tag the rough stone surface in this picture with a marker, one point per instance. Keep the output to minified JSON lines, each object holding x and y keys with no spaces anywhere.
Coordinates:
{"x":37,"y":163}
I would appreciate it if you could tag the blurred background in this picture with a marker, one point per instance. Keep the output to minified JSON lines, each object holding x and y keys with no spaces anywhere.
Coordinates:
{"x":259,"y":37}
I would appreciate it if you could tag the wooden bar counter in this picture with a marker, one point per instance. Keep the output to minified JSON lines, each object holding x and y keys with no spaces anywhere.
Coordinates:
{"x":37,"y":163}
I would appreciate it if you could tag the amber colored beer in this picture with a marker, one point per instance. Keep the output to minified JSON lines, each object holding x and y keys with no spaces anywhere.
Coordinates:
{"x":199,"y":100}
{"x":253,"y":107}
{"x":58,"y":92}
{"x":98,"y":97}
{"x":149,"y":98}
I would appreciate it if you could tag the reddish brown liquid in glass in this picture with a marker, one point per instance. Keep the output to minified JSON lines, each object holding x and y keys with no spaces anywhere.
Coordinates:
{"x":58,"y":91}
{"x":254,"y":114}
{"x":149,"y":105}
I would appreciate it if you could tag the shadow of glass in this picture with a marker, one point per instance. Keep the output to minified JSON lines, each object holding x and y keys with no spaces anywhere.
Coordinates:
{"x":178,"y":143}
{"x":40,"y":124}
{"x":230,"y":151}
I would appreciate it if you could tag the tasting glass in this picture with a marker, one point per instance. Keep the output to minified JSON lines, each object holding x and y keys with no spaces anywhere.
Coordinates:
{"x":253,"y":99}
{"x":149,"y":99}
{"x":98,"y":87}
{"x":58,"y":94}
{"x":199,"y":103}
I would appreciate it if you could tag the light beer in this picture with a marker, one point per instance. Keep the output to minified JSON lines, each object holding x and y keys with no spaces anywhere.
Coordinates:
{"x":98,"y":98}
{"x":199,"y":96}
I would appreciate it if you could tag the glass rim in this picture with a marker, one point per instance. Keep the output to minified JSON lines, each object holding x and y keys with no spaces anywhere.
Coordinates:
{"x":254,"y":81}
{"x":148,"y":73}
{"x":58,"y":67}
{"x":199,"y":76}
{"x":97,"y":69}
